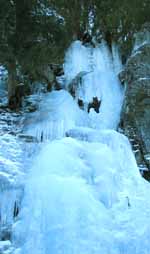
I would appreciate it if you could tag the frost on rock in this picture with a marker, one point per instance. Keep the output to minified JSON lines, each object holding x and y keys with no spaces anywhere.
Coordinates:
{"x":141,"y":38}
{"x":10,"y":162}
{"x":3,"y":86}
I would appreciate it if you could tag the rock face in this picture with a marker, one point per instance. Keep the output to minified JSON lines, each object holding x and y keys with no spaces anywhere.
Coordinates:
{"x":136,"y":109}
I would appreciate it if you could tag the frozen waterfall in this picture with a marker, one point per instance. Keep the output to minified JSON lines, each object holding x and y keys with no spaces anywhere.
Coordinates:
{"x":84,"y":193}
{"x":58,"y":112}
{"x":98,"y":67}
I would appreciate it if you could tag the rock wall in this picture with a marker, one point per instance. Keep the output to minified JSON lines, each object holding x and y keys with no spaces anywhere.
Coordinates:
{"x":135,"y":119}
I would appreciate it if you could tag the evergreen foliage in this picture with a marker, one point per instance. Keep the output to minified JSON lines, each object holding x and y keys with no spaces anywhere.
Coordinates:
{"x":35,"y":33}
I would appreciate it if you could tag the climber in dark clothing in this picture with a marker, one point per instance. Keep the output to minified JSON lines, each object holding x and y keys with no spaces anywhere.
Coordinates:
{"x":95,"y":104}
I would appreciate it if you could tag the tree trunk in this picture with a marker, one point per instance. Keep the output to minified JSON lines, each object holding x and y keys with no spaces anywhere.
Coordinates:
{"x":12,"y":84}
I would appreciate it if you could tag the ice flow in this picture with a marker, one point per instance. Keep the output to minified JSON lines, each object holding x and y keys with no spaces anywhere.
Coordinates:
{"x":84,"y":193}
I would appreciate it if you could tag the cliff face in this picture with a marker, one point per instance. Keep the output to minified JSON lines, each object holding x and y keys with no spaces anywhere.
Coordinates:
{"x":136,"y":109}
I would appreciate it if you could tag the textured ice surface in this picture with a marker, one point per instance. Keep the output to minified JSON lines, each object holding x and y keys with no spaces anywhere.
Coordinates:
{"x":10,"y":162}
{"x":57,"y":113}
{"x":83,"y":193}
{"x":5,"y":247}
{"x":85,"y":197}
{"x":100,"y":81}
{"x":11,"y":181}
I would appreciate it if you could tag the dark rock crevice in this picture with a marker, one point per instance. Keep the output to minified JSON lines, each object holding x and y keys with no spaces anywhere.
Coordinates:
{"x":135,"y":118}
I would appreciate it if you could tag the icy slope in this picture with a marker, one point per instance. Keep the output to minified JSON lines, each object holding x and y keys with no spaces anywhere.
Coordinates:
{"x":85,"y":198}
